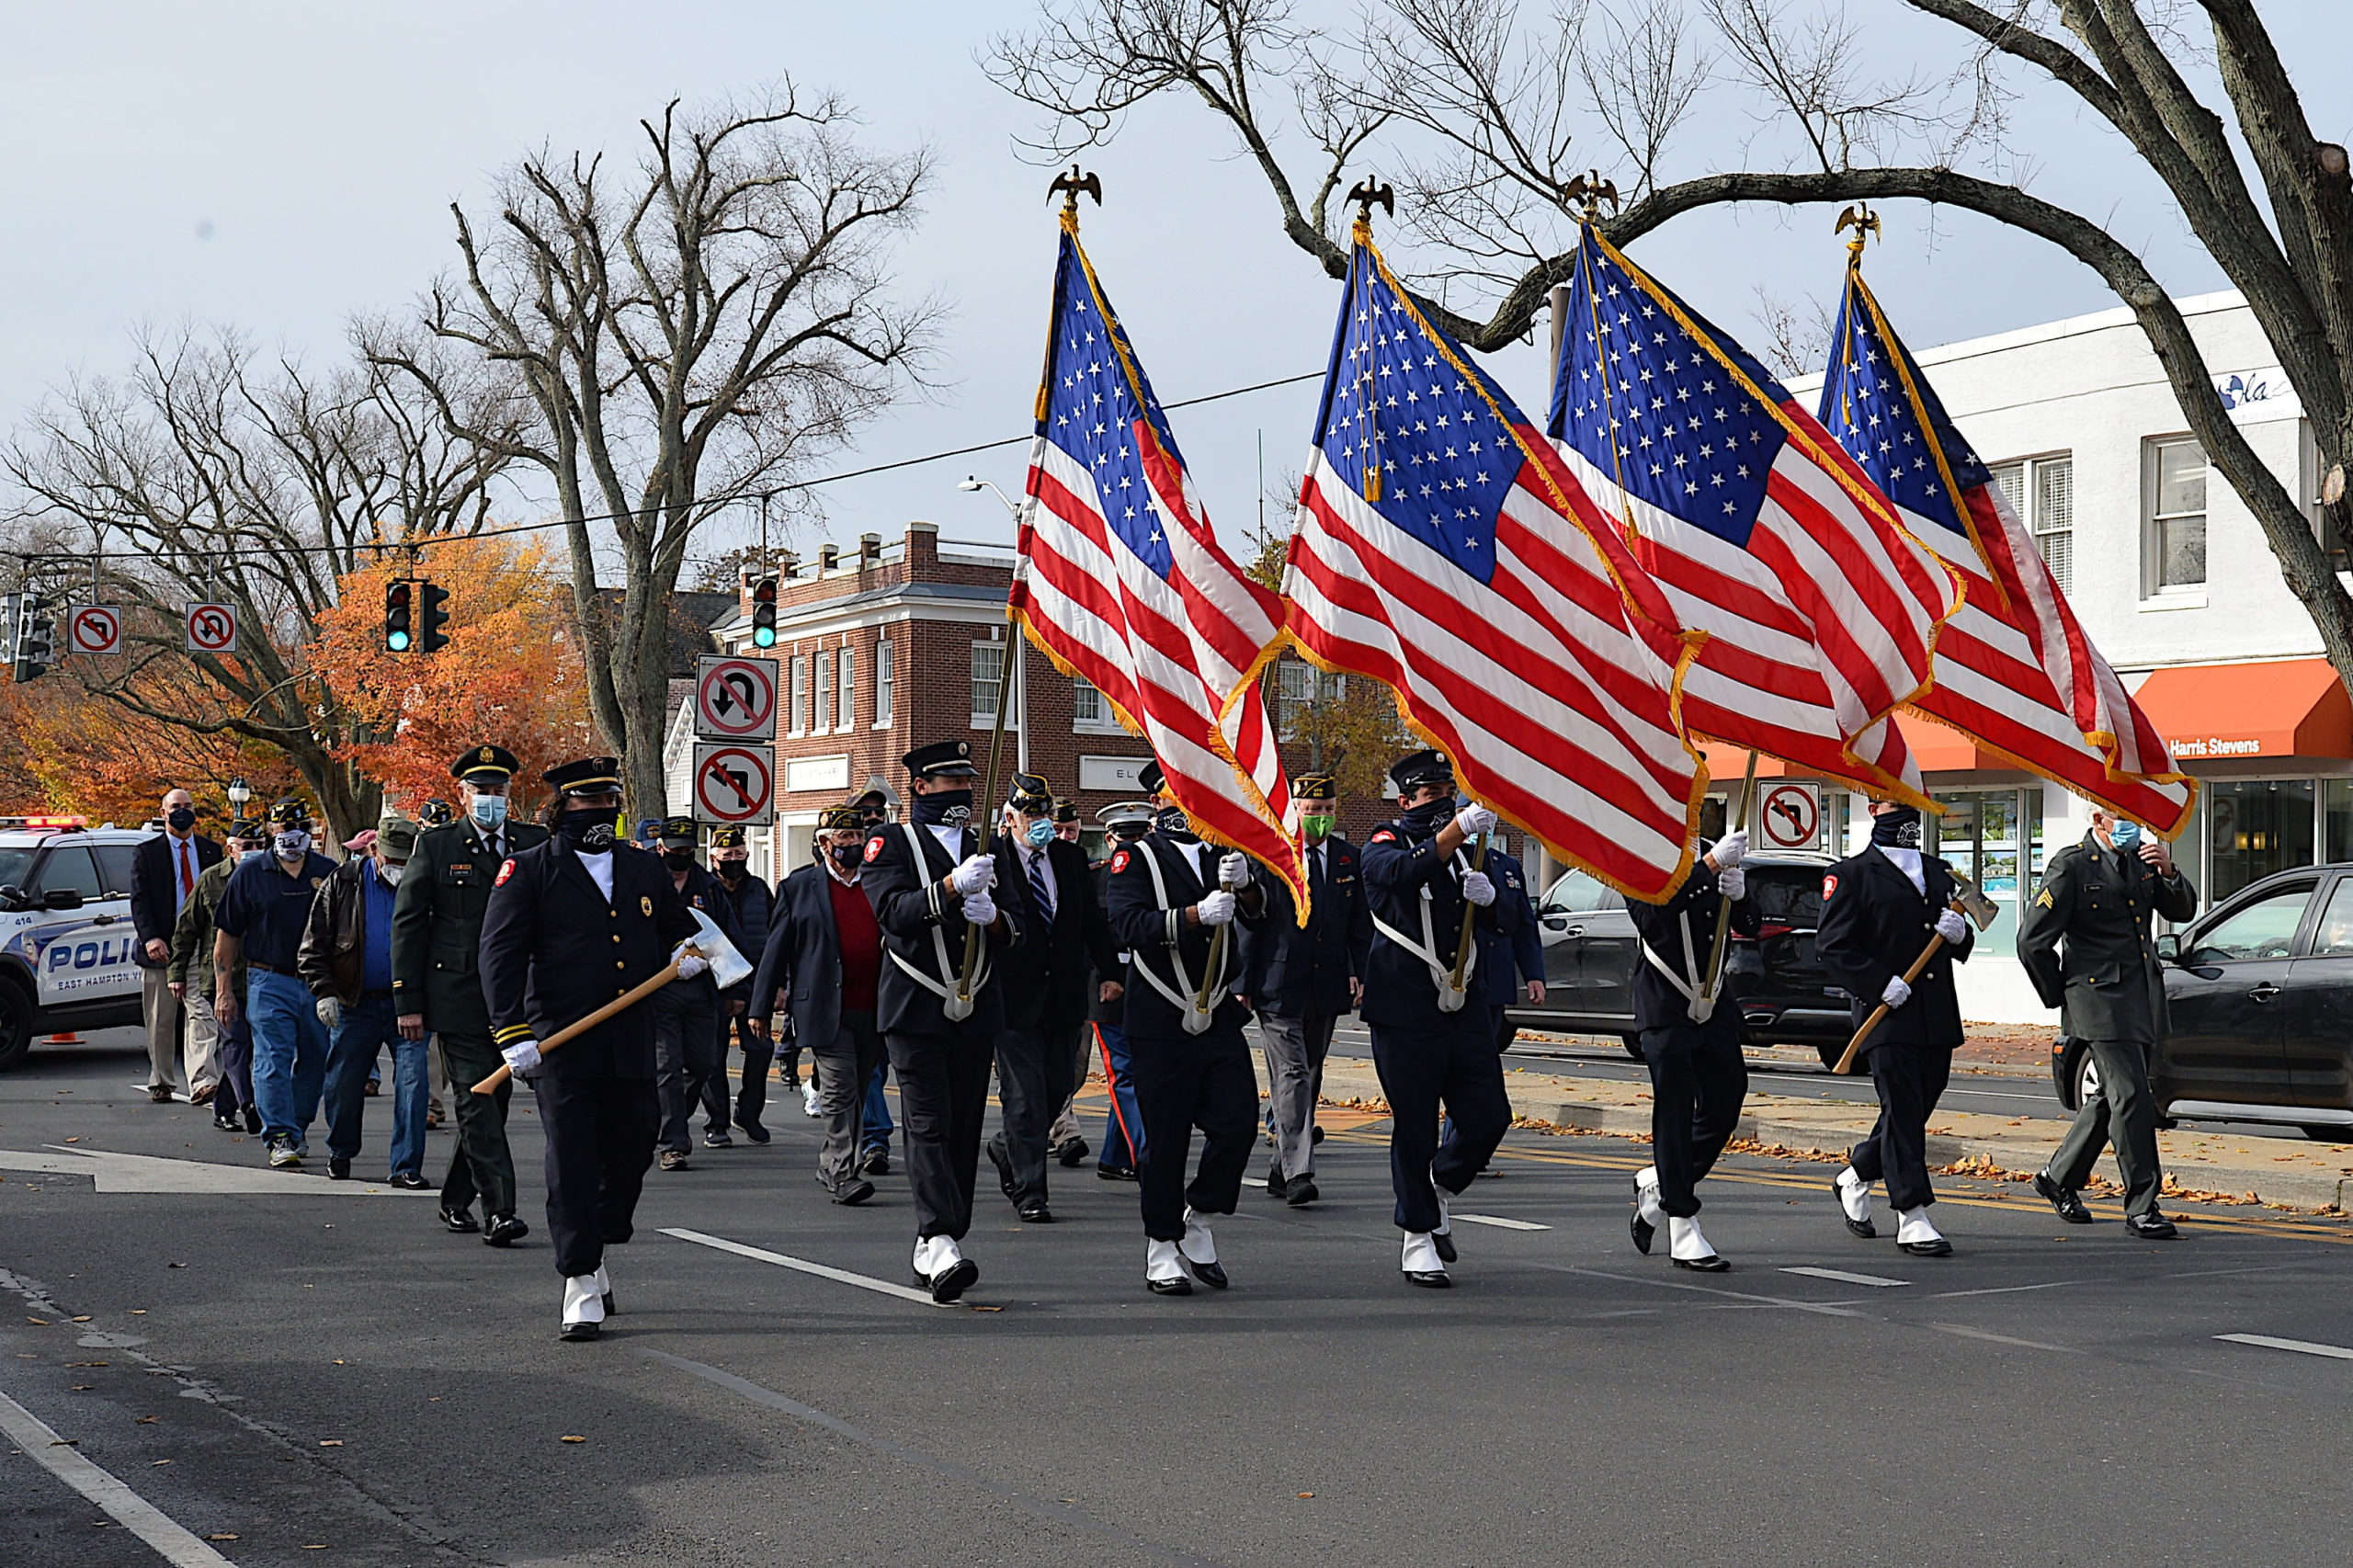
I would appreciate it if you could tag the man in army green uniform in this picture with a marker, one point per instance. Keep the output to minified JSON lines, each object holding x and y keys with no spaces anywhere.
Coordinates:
{"x":2097,"y":895}
{"x":437,"y":928}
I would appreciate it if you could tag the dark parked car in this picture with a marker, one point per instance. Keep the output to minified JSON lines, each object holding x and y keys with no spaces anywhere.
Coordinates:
{"x":1590,"y":954}
{"x":2261,"y":993}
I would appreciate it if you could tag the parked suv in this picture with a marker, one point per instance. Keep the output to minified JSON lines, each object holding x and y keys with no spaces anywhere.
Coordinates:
{"x":1591,"y":954}
{"x":67,"y":953}
{"x":2261,"y":993}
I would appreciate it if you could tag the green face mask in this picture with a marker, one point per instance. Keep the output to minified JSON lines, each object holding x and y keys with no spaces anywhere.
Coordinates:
{"x":1317,"y":827}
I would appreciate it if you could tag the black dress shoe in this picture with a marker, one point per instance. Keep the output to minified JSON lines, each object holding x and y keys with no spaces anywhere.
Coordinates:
{"x":1035,"y":1215}
{"x":1938,"y":1248}
{"x":226,"y":1121}
{"x":875,"y":1162}
{"x":1301,"y":1192}
{"x":339,"y":1168}
{"x":409,"y":1181}
{"x":1276,"y":1186}
{"x":858,"y":1190}
{"x":1071,"y":1151}
{"x":253,"y":1122}
{"x":1003,"y":1163}
{"x":1180,"y":1286}
{"x":1114,"y":1173}
{"x":2152,"y":1226}
{"x":1641,"y":1229}
{"x":1431,"y":1278}
{"x":1711,"y":1264}
{"x":752,"y":1129}
{"x":1208,"y":1273}
{"x":459,"y":1220}
{"x":575,"y":1332}
{"x":1445,"y":1244}
{"x":949,"y":1283}
{"x":2063,"y":1198}
{"x":504,"y":1230}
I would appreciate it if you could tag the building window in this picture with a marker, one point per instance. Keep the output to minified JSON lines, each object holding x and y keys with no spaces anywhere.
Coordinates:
{"x":846,"y":691}
{"x":1090,"y":710}
{"x":2308,"y":494}
{"x":988,"y":671}
{"x":2041,"y":491}
{"x":823,"y":695}
{"x":882,"y":682}
{"x":2258,"y":826}
{"x":1299,"y":686}
{"x":2175,"y":540}
{"x":1995,"y":838}
{"x":797,"y":672}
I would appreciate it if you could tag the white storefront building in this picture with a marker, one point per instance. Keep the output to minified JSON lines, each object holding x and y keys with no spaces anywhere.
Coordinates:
{"x":2173,"y":581}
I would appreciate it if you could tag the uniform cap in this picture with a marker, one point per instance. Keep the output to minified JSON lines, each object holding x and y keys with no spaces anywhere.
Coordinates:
{"x":1419,"y":768}
{"x":942,"y":760}
{"x":727,"y":838}
{"x":677,"y":830}
{"x":589,"y":776}
{"x":1029,"y":794}
{"x":842,"y":819}
{"x":1314,"y":787}
{"x":484,"y":762}
{"x":290,"y":810}
{"x":436,"y":812}
{"x":1065,"y":811}
{"x":1149,"y":778}
{"x":649,"y":828}
{"x":1129,"y":819}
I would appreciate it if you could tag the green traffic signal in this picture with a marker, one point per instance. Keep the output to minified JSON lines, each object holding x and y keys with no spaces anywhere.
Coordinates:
{"x":763,"y":613}
{"x":398,"y":597}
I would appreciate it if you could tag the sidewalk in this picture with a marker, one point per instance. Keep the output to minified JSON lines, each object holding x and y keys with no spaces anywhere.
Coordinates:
{"x":2207,"y":1167}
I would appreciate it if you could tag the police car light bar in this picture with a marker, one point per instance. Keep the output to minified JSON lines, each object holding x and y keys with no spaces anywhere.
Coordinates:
{"x":55,"y":821}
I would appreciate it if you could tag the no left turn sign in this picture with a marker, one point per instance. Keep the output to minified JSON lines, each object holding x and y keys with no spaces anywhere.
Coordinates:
{"x":211,"y":628}
{"x":1791,"y":816}
{"x":735,"y":786}
{"x":94,"y":629}
{"x":734,"y":698}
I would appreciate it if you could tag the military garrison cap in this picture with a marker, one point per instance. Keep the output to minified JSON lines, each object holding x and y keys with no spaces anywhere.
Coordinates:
{"x":1029,"y":794}
{"x":842,"y":819}
{"x":727,"y":838}
{"x":1314,"y":787}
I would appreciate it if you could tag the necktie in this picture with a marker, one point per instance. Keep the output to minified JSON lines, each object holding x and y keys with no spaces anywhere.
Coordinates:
{"x":1045,"y":899}
{"x":187,"y":875}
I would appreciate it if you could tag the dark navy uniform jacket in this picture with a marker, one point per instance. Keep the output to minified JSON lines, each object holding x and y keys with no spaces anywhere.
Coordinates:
{"x":553,"y":950}
{"x":705,"y":892}
{"x":1507,"y":958}
{"x":1874,"y":923}
{"x":1292,"y":972}
{"x":913,"y":904}
{"x":1657,"y":1003}
{"x":2107,"y":984}
{"x":1400,"y":866}
{"x":1150,"y":932}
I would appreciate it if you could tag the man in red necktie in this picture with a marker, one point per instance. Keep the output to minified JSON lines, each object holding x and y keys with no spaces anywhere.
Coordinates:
{"x":163,"y":875}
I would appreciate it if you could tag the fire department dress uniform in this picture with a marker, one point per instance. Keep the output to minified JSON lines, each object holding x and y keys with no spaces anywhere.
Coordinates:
{"x":1432,"y":1046}
{"x":561,"y":937}
{"x":1191,"y":1069}
{"x":436,"y":943}
{"x":920,"y":876}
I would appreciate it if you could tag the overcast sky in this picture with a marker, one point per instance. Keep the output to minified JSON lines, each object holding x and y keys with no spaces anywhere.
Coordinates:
{"x":279,"y":167}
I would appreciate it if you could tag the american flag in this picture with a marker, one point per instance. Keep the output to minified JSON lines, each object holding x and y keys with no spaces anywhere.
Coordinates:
{"x":1434,"y":550}
{"x":1121,"y":583}
{"x":2014,"y":670}
{"x":1818,"y":612}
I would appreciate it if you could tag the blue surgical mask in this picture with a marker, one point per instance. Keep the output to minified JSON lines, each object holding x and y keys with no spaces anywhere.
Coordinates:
{"x":489,"y":810}
{"x":2126,"y":836}
{"x":1039,"y":834}
{"x":251,"y":855}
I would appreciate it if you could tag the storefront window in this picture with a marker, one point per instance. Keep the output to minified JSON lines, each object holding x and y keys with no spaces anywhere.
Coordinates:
{"x":2336,"y":807}
{"x":1985,"y":833}
{"x":2253,"y":827}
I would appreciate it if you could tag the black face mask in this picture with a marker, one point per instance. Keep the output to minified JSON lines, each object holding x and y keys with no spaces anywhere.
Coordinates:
{"x":677,"y":859}
{"x":1429,"y":816}
{"x":1897,"y":829}
{"x":944,"y":808}
{"x":730,"y":871}
{"x":846,"y":855}
{"x":586,"y":832}
{"x":1173,"y":822}
{"x":181,"y":819}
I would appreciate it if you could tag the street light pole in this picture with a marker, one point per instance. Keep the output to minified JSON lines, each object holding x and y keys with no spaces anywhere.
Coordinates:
{"x":1015,"y":651}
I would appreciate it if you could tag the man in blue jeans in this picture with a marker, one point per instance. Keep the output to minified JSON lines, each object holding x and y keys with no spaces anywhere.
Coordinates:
{"x":347,"y":961}
{"x":261,"y":919}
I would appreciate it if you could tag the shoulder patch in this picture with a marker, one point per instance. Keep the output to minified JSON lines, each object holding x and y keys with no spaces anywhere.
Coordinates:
{"x":1118,"y":861}
{"x":646,"y":905}
{"x":1384,"y":837}
{"x":874,"y":849}
{"x":1829,"y":886}
{"x":503,"y":872}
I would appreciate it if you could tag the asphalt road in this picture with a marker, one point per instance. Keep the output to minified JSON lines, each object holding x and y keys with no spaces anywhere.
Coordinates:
{"x":311,"y":1372}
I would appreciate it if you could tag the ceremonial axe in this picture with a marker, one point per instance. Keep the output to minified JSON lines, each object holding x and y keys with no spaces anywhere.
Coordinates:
{"x":1970,"y":901}
{"x":709,"y":943}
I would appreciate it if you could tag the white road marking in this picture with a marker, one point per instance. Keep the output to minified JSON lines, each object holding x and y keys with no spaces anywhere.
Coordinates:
{"x":148,"y":1173}
{"x":1967,"y":1333}
{"x":1500,"y":1223}
{"x":2004,"y":1289}
{"x":840,"y":1275}
{"x":134,"y":1513}
{"x":2303,"y":1346}
{"x":1843,"y":1278}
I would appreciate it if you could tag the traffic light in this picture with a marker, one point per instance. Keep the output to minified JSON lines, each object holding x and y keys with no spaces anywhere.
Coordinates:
{"x":11,"y":627}
{"x":399,"y":629}
{"x":763,"y":613}
{"x":36,"y":647}
{"x":434,"y":602}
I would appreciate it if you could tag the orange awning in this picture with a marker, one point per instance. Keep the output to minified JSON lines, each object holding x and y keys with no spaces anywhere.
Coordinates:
{"x":2290,"y":708}
{"x":1935,"y":748}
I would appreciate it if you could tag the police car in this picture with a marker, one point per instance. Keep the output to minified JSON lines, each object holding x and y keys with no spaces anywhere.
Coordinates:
{"x":67,"y":952}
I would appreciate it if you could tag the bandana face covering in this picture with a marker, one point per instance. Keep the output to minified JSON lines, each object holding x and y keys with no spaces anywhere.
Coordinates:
{"x":1429,"y":816}
{"x":944,"y":808}
{"x":1897,"y":829}
{"x":588,"y":833}
{"x":1173,"y":822}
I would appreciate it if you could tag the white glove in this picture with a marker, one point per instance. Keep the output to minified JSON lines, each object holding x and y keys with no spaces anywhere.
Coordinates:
{"x":975,"y":875}
{"x":330,"y":1011}
{"x":1475,"y":819}
{"x":979,"y":908}
{"x":522,"y":1056}
{"x":689,"y":964}
{"x":1234,"y":872}
{"x":1479,"y":888}
{"x":1733,"y":883}
{"x":1731,"y":849}
{"x":1215,"y":908}
{"x":1952,"y":925}
{"x":1897,"y":992}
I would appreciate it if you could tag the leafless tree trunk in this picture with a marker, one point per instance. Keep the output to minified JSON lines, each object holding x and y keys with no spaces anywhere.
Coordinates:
{"x":683,"y":336}
{"x":210,"y":474}
{"x":1469,"y":101}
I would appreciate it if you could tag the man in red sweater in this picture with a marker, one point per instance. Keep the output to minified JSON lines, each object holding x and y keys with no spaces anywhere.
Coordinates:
{"x":823,"y":954}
